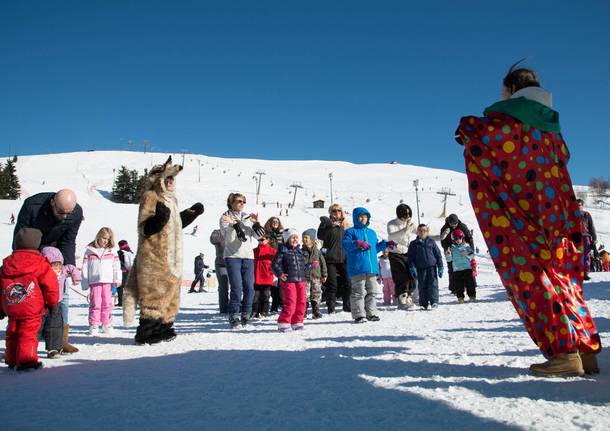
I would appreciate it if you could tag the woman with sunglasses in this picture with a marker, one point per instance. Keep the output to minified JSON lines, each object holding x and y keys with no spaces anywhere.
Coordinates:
{"x":522,"y":194}
{"x":241,"y":232}
{"x":331,"y":233}
{"x":273,"y":230}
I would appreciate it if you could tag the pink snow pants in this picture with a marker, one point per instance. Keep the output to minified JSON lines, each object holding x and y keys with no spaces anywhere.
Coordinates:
{"x":100,"y":304}
{"x":388,"y":290}
{"x":295,"y":304}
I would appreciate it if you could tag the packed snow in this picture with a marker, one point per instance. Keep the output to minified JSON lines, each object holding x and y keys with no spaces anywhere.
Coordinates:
{"x":459,"y":366}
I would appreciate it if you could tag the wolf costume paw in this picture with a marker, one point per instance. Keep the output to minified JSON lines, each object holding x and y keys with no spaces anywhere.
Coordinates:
{"x":157,"y":222}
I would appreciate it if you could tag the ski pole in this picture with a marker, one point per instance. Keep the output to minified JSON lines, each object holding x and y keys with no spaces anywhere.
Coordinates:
{"x":81,"y":294}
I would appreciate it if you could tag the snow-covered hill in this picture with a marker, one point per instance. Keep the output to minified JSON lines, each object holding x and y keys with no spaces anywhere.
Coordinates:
{"x":461,"y":367}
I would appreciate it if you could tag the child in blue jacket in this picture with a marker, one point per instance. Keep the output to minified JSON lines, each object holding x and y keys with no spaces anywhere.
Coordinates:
{"x":426,"y":261}
{"x":461,"y":254}
{"x":362,"y":247}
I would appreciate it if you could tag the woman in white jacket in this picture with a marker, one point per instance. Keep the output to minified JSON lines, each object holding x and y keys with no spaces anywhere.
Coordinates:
{"x":238,"y":230}
{"x":100,"y":271}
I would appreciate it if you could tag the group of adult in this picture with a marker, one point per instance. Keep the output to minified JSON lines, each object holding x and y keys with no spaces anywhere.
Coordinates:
{"x":521,"y":191}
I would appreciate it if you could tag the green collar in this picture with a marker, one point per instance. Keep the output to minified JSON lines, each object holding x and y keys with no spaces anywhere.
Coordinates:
{"x":528,"y":112}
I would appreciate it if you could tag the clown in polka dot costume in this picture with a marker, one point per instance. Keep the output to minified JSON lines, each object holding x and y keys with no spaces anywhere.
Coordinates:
{"x":521,"y":192}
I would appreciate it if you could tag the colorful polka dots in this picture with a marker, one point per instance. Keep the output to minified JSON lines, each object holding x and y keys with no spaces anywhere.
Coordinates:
{"x":527,"y":212}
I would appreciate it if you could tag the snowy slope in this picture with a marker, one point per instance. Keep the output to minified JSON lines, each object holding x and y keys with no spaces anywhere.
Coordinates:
{"x":458,"y":367}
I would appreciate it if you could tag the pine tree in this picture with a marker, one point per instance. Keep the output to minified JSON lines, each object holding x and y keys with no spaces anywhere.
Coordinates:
{"x":123,"y":186}
{"x":12,"y":181}
{"x":3,"y":183}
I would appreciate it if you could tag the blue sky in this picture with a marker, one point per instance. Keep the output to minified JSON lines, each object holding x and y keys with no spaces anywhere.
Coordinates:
{"x":363,"y":81}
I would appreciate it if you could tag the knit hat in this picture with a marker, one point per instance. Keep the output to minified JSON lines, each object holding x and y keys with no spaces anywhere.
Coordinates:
{"x":28,"y":239}
{"x":452,"y":219}
{"x":311,"y":233}
{"x":288,"y":233}
{"x":52,"y":254}
{"x":457,"y":234}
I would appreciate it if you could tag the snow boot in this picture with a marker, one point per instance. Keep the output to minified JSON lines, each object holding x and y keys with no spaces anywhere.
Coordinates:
{"x":315,"y":310}
{"x":245,"y":321}
{"x":234,"y":321}
{"x":460,"y":300}
{"x":68,"y":348}
{"x":360,"y":320}
{"x":563,"y":365}
{"x":30,"y":366}
{"x":372,"y":318}
{"x":589,"y":363}
{"x":53,"y":354}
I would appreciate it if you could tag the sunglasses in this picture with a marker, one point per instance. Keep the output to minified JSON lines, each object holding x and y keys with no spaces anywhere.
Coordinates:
{"x":240,"y":201}
{"x":337,"y":210}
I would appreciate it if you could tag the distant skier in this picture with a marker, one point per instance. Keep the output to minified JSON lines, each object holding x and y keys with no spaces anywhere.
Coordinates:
{"x":200,"y":267}
{"x":12,"y":218}
{"x":195,"y":228}
{"x":520,"y":188}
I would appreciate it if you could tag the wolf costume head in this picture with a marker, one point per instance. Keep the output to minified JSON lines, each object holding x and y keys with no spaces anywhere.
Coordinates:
{"x":159,"y":173}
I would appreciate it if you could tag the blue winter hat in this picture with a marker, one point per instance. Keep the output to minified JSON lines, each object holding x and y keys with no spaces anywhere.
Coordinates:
{"x":312,"y":233}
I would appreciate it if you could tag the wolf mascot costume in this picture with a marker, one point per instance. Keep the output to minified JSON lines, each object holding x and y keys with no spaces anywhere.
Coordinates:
{"x":156,"y":276}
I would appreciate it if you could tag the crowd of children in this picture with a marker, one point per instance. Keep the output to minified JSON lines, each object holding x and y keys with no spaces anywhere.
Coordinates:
{"x":36,"y":284}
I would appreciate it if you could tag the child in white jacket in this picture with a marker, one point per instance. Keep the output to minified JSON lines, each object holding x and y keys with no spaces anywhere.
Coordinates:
{"x":100,"y":272}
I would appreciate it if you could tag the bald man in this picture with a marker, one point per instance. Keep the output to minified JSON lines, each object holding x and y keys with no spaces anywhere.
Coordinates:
{"x":57,"y":216}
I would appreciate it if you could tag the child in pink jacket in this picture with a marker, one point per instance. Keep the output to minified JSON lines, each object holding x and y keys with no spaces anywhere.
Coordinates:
{"x":100,"y":271}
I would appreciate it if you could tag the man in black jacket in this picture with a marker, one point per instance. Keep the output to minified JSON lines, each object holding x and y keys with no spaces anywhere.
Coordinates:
{"x":200,"y":266}
{"x":331,"y":231}
{"x":57,"y":216}
{"x":453,"y":223}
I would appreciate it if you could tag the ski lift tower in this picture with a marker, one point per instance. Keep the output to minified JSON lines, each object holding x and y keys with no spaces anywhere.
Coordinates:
{"x":445,"y":191}
{"x":258,"y":183}
{"x":296,"y":186}
{"x":416,"y":185}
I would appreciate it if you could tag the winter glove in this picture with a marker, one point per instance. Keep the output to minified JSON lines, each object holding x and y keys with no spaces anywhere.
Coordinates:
{"x":241,"y":233}
{"x":413,"y":272}
{"x":440,"y":271}
{"x":392,"y":245}
{"x":197,"y":208}
{"x":363,"y":245}
{"x":258,"y":229}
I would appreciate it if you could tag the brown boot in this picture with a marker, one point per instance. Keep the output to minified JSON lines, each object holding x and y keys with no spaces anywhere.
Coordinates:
{"x":68,"y":348}
{"x":563,"y":365}
{"x":589,"y":363}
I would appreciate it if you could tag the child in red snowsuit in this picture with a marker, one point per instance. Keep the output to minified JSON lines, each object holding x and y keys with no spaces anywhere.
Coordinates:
{"x":263,"y":277}
{"x":28,"y":285}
